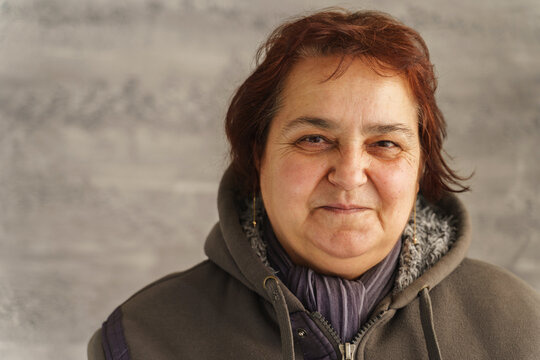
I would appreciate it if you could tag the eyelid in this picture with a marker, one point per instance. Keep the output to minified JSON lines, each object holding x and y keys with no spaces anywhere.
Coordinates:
{"x":389,"y":151}
{"x":324,"y":144}
{"x":302,"y":138}
{"x":379,"y":142}
{"x":387,"y":141}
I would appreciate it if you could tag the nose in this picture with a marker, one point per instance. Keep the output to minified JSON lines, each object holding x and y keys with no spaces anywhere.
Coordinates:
{"x":349,"y":168}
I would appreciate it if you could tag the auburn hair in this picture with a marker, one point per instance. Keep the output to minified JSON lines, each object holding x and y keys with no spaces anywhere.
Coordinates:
{"x":382,"y":42}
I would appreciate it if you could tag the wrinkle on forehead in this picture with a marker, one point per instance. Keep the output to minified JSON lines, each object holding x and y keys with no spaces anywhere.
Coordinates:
{"x":306,"y":85}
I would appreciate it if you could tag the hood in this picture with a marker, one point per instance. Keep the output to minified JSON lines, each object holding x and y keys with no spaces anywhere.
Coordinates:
{"x":443,"y":238}
{"x":228,"y":247}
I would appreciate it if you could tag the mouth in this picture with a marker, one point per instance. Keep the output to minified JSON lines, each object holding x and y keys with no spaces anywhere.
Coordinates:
{"x":344,"y":208}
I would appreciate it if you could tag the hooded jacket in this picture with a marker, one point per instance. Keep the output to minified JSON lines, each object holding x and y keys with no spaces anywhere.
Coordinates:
{"x":231,"y":306}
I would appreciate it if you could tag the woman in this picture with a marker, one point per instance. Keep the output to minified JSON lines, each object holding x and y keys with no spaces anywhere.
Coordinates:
{"x":339,"y":235}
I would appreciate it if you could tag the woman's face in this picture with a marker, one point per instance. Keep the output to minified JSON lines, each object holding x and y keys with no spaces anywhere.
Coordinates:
{"x":340,"y":170}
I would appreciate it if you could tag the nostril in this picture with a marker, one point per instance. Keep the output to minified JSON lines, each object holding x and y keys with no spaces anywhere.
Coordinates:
{"x":348,"y":176}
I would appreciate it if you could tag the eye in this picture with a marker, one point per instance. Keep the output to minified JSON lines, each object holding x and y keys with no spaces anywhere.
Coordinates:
{"x":312,"y":139}
{"x":313,"y":142}
{"x":384,"y":149}
{"x":386,"y":144}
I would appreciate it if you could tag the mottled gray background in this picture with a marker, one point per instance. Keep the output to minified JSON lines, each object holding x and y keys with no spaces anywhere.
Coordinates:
{"x":112,"y":145}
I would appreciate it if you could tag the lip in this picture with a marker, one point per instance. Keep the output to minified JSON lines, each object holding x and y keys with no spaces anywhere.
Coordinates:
{"x":344,"y":208}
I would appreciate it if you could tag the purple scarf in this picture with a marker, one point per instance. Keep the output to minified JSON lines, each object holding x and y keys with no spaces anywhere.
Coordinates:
{"x":346,"y":304}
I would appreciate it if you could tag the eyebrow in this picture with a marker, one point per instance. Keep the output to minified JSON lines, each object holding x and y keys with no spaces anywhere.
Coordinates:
{"x":384,"y":129}
{"x":377,"y":129}
{"x":309,"y":121}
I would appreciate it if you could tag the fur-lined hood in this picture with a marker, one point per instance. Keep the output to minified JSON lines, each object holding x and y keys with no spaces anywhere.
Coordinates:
{"x":443,"y":237}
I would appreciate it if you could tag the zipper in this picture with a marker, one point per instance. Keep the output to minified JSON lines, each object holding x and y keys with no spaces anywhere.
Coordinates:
{"x":348,"y":349}
{"x":366,"y":327}
{"x":325,"y":325}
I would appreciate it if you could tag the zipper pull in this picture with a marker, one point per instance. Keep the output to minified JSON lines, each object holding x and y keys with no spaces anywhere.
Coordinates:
{"x":347,"y":351}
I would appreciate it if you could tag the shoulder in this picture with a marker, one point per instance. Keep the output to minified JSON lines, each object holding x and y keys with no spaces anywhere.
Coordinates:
{"x":155,"y":300}
{"x":488,"y":308}
{"x":95,"y":349}
{"x":184,"y":295}
{"x":175,"y":314}
{"x":487,"y":287}
{"x":493,"y":282}
{"x":489,"y":311}
{"x":174,"y":285}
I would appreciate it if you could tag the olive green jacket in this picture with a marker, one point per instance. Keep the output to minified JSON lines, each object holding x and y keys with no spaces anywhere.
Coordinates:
{"x":231,"y":307}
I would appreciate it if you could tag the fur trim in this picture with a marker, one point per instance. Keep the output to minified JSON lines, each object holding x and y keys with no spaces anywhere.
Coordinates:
{"x":254,"y":233}
{"x":435,"y":235}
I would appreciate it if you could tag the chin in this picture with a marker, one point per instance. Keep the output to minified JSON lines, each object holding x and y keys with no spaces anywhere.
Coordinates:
{"x":345,"y":244}
{"x":348,"y":268}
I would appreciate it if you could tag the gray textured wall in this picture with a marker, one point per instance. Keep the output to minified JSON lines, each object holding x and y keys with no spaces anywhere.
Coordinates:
{"x":111,"y":142}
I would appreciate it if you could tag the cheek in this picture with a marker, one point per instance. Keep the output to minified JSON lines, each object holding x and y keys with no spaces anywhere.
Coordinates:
{"x":396,"y":182}
{"x":298,"y":176}
{"x":293,"y":178}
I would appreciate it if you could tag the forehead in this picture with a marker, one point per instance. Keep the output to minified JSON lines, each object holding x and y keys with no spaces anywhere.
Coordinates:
{"x":313,"y":88}
{"x":321,"y":69}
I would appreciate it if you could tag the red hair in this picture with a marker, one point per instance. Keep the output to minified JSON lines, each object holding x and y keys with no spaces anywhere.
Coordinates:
{"x":382,"y":42}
